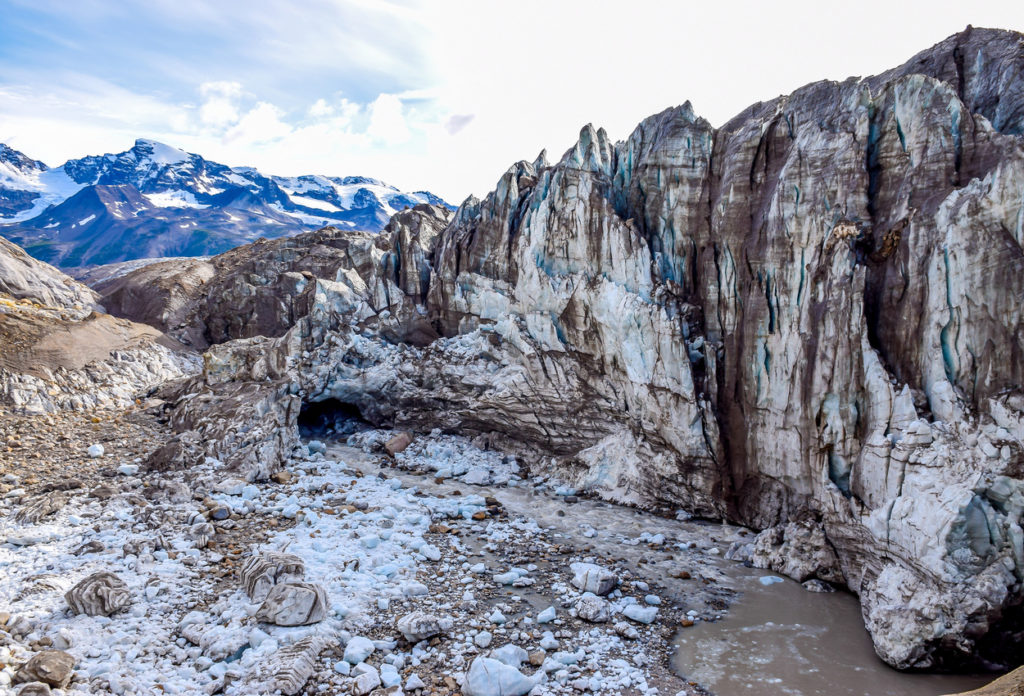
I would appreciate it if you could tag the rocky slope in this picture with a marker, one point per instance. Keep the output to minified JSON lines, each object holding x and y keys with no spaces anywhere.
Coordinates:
{"x":24,"y":278}
{"x":263,"y":289}
{"x":61,"y":352}
{"x":154,"y":200}
{"x":807,"y":320}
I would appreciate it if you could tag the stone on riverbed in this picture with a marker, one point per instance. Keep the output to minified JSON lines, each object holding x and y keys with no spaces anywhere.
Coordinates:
{"x":816,"y":585}
{"x":398,"y":443}
{"x":44,"y":506}
{"x":287,"y":670}
{"x":358,"y":649}
{"x":593,"y":609}
{"x":640,"y":614}
{"x":590,"y":577}
{"x":367,"y":681}
{"x":511,"y":655}
{"x":626,"y":631}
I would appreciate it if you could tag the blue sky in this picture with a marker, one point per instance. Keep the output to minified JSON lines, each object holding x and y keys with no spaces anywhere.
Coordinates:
{"x":440,"y":95}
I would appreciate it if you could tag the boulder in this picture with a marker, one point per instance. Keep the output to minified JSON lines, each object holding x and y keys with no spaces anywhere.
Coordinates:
{"x":266,"y":569}
{"x":358,"y":649}
{"x":294,"y":604}
{"x":640,"y":614}
{"x":590,"y":577}
{"x":799,"y":550}
{"x":511,"y":655}
{"x":398,"y":443}
{"x":287,"y":670}
{"x":489,"y":677}
{"x":51,"y":667}
{"x":419,"y":626}
{"x":366,"y":682}
{"x":593,"y":609}
{"x":100,"y":594}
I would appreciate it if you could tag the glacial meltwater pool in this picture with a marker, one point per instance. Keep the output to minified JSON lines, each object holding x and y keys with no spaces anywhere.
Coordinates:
{"x":782,"y":640}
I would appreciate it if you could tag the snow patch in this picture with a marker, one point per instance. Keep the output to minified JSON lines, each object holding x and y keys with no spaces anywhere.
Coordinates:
{"x":316,"y":203}
{"x":54,"y":187}
{"x":174,"y":199}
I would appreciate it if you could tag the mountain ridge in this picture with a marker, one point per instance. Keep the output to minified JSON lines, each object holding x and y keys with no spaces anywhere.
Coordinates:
{"x":157,"y":200}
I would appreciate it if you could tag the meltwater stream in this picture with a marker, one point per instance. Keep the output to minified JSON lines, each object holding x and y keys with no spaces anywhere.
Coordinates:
{"x":781,"y":639}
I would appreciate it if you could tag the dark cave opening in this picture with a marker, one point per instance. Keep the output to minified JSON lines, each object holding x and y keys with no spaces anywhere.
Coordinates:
{"x":331,"y":418}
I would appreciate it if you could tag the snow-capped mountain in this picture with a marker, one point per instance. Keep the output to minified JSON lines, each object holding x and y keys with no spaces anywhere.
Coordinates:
{"x":155,"y":200}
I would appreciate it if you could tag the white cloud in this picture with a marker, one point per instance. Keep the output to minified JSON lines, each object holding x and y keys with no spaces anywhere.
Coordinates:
{"x":220,"y":105}
{"x":262,"y":124}
{"x":321,"y":108}
{"x":387,"y":120}
{"x":427,"y":84}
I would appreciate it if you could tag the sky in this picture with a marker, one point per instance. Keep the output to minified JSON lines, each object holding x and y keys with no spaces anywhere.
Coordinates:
{"x":440,"y":95}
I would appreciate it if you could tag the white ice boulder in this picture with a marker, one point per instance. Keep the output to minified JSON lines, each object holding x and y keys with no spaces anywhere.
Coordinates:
{"x":419,"y":626}
{"x":489,"y":677}
{"x":640,"y":614}
{"x":366,"y":682}
{"x":358,"y":649}
{"x":590,"y":577}
{"x":511,"y":655}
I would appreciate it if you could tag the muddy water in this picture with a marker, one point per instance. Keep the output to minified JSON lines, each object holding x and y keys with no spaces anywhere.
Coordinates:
{"x":782,"y":639}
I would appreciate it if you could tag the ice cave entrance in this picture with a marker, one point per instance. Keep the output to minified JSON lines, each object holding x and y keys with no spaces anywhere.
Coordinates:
{"x":330,"y":418}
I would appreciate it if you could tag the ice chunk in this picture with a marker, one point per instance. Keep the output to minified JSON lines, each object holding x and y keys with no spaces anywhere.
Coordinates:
{"x":511,"y":655}
{"x":358,"y":649}
{"x":590,"y":577}
{"x":640,"y":614}
{"x":489,"y":677}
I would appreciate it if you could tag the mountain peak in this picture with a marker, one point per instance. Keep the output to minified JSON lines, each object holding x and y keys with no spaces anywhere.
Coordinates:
{"x":19,"y":160}
{"x":159,"y":152}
